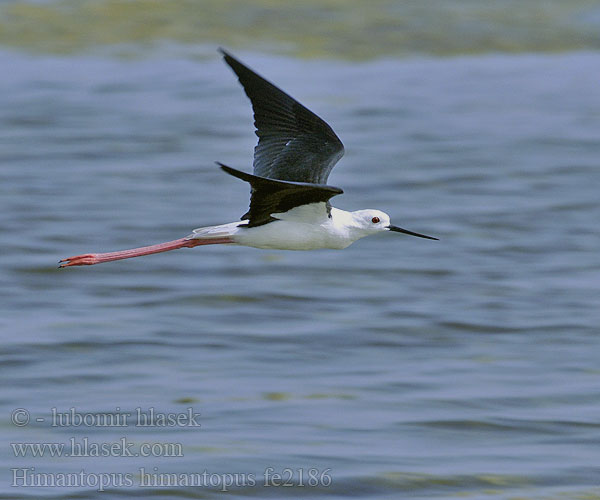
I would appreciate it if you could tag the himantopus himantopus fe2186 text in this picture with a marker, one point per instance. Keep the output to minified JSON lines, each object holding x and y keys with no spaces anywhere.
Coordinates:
{"x":289,"y":202}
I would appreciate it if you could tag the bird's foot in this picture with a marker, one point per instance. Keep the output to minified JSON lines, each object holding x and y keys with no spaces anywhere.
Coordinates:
{"x":86,"y":259}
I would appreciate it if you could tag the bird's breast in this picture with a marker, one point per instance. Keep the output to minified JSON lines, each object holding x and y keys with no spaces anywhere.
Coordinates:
{"x":292,"y":235}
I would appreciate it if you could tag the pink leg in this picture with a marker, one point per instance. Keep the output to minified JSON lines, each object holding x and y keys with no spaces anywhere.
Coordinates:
{"x":90,"y":259}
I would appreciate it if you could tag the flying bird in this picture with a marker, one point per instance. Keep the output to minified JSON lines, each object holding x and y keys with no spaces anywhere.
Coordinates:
{"x":289,"y":200}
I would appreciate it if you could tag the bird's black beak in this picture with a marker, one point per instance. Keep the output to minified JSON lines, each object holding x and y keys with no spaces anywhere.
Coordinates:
{"x":406,"y":231}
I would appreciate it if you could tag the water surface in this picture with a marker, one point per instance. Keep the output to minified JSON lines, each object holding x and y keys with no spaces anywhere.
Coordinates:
{"x":400,"y":367}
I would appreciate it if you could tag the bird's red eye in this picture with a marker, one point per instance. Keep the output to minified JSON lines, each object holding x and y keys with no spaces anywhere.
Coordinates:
{"x":375,"y":220}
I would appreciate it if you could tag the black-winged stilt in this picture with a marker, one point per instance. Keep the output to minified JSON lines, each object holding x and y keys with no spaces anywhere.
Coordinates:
{"x":289,"y":202}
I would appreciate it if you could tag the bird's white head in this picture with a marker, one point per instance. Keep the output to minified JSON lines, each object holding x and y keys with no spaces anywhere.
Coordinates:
{"x":370,"y":221}
{"x":375,"y":221}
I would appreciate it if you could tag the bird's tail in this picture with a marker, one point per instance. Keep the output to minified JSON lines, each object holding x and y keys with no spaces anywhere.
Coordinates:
{"x":215,"y":232}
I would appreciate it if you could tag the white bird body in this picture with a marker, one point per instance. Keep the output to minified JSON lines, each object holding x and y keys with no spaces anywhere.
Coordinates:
{"x":307,"y":227}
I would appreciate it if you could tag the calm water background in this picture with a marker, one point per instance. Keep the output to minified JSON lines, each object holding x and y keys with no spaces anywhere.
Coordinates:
{"x":400,"y":367}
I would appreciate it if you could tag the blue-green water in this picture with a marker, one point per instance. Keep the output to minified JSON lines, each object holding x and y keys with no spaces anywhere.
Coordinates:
{"x":398,"y":368}
{"x":352,"y":29}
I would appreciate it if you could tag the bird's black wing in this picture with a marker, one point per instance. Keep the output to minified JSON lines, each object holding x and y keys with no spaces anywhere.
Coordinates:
{"x":270,"y":196}
{"x":294,"y":144}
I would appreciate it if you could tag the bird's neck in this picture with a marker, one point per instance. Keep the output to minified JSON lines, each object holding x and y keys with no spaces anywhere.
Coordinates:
{"x":341,"y":217}
{"x":346,"y":222}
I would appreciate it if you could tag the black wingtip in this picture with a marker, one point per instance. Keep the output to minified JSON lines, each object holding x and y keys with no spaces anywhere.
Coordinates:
{"x":224,"y":167}
{"x":235,"y":173}
{"x":227,"y":56}
{"x":237,"y":66}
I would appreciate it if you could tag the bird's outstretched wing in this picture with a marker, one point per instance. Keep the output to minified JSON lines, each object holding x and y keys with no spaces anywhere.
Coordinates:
{"x":294,"y":144}
{"x":270,"y":196}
